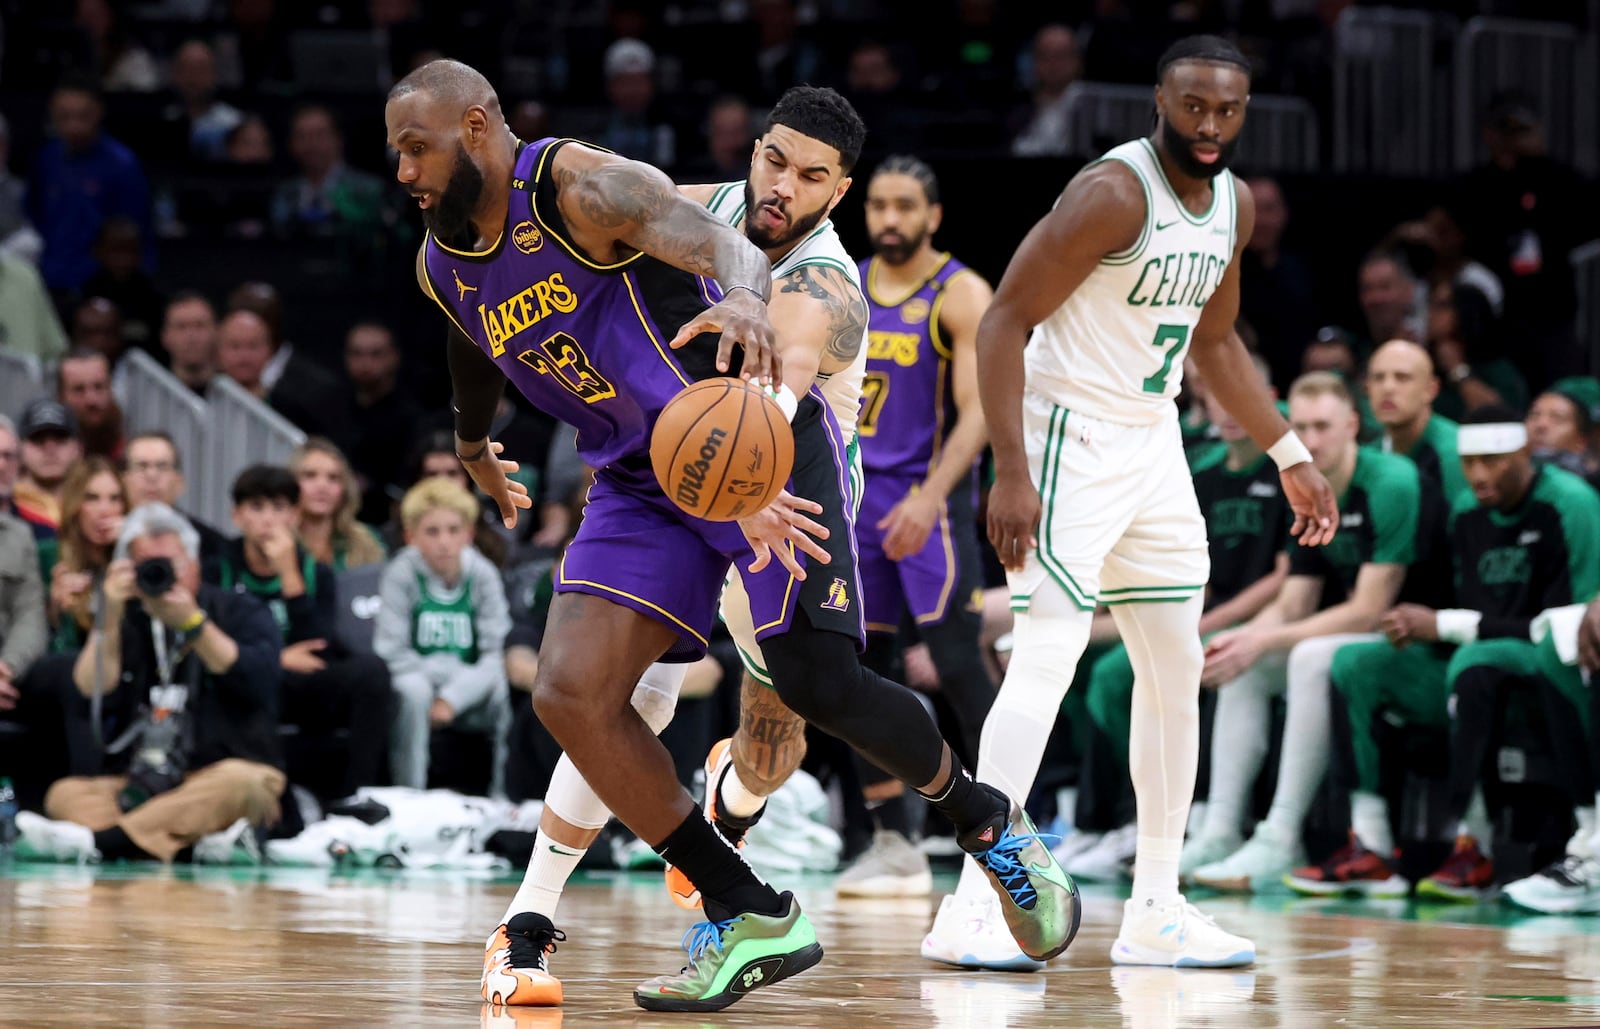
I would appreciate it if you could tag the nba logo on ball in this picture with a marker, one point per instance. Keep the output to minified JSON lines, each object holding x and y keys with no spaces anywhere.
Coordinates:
{"x":722,"y":449}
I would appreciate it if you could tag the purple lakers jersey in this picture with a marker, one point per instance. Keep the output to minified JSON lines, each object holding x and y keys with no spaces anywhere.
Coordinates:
{"x":585,"y":341}
{"x":906,"y":402}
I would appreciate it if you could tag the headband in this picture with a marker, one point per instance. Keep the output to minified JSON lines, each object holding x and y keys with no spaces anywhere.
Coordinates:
{"x":1491,"y":438}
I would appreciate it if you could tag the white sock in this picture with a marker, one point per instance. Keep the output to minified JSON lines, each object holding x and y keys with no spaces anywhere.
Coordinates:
{"x":1369,"y":817}
{"x":1476,"y":823}
{"x":1240,"y":738}
{"x":1306,"y":732}
{"x":1586,"y":823}
{"x":738,"y":800}
{"x":1163,"y":642}
{"x":1049,"y":638}
{"x":549,"y":869}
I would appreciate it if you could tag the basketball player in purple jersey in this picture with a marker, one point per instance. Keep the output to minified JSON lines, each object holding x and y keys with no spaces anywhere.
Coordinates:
{"x":598,"y":256}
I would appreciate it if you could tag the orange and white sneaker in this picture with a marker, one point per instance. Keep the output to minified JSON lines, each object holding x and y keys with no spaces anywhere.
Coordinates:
{"x":516,"y":967}
{"x":718,"y":761}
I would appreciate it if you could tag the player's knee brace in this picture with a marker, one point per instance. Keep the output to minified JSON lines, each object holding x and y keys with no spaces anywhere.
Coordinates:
{"x":656,"y":696}
{"x":815,"y":674}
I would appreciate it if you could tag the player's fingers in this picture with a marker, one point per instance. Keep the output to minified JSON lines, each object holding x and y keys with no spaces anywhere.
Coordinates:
{"x":763,"y":555}
{"x":812,"y":548}
{"x":817,"y":529}
{"x":787,"y":558}
{"x":794,"y":503}
{"x":692,"y":328}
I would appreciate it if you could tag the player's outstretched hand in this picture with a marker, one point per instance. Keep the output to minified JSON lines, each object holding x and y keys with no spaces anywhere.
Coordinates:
{"x":490,"y":472}
{"x":783,"y":522}
{"x":1316,"y":511}
{"x":741,"y":317}
{"x":1013,"y":520}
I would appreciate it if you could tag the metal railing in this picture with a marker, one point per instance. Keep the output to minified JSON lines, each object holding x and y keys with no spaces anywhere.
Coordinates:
{"x":243,"y":431}
{"x":1586,"y":267}
{"x":157,"y":401}
{"x":1390,"y":101}
{"x":21,"y":380}
{"x":1280,"y":134}
{"x":1550,"y":64}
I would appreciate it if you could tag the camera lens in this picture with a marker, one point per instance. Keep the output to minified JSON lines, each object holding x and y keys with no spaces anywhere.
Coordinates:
{"x":154,"y":576}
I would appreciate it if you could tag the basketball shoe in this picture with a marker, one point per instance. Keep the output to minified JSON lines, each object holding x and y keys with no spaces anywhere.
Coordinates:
{"x":516,"y":969}
{"x":1038,"y":900}
{"x":1352,"y":869}
{"x":973,"y":934}
{"x":718,"y":761}
{"x":1571,"y":886}
{"x":730,"y":958}
{"x":1176,"y":935}
{"x":1465,"y":877}
{"x":891,"y":867}
{"x":1263,"y":861}
{"x":46,"y":839}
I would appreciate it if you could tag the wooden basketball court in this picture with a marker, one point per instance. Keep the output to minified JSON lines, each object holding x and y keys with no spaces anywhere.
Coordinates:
{"x":276,"y":947}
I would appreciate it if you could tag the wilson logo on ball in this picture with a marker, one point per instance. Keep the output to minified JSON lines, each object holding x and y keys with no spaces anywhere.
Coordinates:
{"x":694,"y":473}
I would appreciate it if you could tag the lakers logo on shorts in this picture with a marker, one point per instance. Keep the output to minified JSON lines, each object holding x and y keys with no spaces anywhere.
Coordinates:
{"x":838,"y":597}
{"x":527,"y":238}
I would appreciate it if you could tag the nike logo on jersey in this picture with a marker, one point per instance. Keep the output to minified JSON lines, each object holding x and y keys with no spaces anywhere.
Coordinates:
{"x":1531,"y":536}
{"x":1261,"y":489}
{"x":1165,"y":225}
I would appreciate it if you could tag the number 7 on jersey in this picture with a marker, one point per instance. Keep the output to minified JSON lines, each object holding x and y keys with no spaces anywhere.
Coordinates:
{"x":1178,"y":337}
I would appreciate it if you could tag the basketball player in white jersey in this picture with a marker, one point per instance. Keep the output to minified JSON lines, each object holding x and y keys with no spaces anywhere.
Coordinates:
{"x":1134,"y":269}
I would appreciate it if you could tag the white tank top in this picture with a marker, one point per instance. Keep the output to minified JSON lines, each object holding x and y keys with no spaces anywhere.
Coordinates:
{"x":822,"y":247}
{"x":1114,"y":350}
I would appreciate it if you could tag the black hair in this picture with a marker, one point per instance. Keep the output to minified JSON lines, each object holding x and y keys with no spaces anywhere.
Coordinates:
{"x":1207,"y":49}
{"x":822,"y":113}
{"x":905,"y":164}
{"x":1490,"y":414}
{"x":1583,"y":414}
{"x":266,"y":482}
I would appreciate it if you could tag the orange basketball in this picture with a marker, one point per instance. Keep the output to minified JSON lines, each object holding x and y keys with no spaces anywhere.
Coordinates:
{"x":722,"y":449}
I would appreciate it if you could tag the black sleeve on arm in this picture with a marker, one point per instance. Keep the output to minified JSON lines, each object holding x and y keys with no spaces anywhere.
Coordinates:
{"x":1494,"y":627}
{"x":256,"y":674}
{"x":476,"y":384}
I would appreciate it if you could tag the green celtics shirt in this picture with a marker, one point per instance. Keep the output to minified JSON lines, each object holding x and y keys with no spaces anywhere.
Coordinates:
{"x":1379,"y":517}
{"x":1437,"y":458}
{"x":442,"y":620}
{"x":1545,"y":553}
{"x":1247,"y":520}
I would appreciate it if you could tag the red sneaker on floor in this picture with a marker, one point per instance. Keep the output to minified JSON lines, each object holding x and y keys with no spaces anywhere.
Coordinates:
{"x":1466,"y":876}
{"x":1353,"y":869}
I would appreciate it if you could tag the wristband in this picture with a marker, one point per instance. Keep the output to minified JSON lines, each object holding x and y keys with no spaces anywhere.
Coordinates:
{"x":1455,"y":625}
{"x":786,"y":400}
{"x":193,"y":622}
{"x":750,"y":289}
{"x":475,"y":454}
{"x":1288,"y":451}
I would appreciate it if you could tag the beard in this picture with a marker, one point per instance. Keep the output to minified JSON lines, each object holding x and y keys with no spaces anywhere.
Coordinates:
{"x":899,"y":253}
{"x":450,"y":217}
{"x":1181,"y":149}
{"x":765,"y":239}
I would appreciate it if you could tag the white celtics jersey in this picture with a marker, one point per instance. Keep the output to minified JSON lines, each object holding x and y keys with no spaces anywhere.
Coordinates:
{"x":822,"y":247}
{"x":1114,"y":350}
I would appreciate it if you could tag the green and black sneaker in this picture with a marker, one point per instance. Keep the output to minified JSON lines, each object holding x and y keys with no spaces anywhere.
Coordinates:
{"x":1038,"y":898}
{"x":732,"y":958}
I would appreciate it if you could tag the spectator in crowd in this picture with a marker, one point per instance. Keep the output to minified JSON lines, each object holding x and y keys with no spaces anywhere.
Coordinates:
{"x":1276,"y":291}
{"x":876,"y":87}
{"x":207,"y":120}
{"x":434,"y":456}
{"x":324,"y":687}
{"x":529,"y":120}
{"x":18,"y":237}
{"x":94,"y":503}
{"x":1560,"y":424}
{"x":1463,"y":341}
{"x":1390,"y":299}
{"x":50,"y":447}
{"x":82,"y":178}
{"x":189,"y":336}
{"x":10,"y":467}
{"x":83,"y":384}
{"x":634,"y":128}
{"x":23,"y":630}
{"x":309,"y":377}
{"x":730,"y":134}
{"x":124,"y":281}
{"x":327,"y":197}
{"x":154,"y":475}
{"x":1039,"y":128}
{"x":781,"y":57}
{"x":442,"y":625}
{"x":123,"y":66}
{"x":383,"y":417}
{"x":1525,"y":214}
{"x":249,"y":142}
{"x":28,"y":322}
{"x":1440,"y":232}
{"x":97,"y":326}
{"x":326,"y":523}
{"x":226,"y":767}
{"x":1401,"y":388}
{"x":247,"y":348}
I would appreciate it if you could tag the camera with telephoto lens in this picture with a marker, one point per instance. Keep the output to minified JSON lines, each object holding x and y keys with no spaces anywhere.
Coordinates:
{"x":159,"y":762}
{"x":154,"y":576}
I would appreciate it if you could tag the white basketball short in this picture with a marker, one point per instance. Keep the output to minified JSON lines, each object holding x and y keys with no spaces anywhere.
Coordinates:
{"x":1119,"y":522}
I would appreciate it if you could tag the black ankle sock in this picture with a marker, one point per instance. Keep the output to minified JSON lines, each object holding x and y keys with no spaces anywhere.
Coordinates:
{"x":974,"y":808}
{"x":727,"y":885}
{"x":113,"y":843}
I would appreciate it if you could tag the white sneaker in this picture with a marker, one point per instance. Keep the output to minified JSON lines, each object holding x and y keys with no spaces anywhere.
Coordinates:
{"x":1177,"y":935}
{"x":973,"y":934}
{"x":235,"y":845}
{"x":1568,"y":887}
{"x":43,"y":839}
{"x":891,"y":867}
{"x":1263,"y":861}
{"x":1075,"y":843}
{"x":1582,"y":843}
{"x":1108,"y":860}
{"x":1205,"y":850}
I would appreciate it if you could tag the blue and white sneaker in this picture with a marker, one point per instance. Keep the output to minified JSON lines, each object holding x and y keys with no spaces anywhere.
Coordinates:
{"x":972,"y":934}
{"x":1177,"y":935}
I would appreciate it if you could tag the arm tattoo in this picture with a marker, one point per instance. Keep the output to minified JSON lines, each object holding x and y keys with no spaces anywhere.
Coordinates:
{"x":643,"y":210}
{"x":847,"y":311}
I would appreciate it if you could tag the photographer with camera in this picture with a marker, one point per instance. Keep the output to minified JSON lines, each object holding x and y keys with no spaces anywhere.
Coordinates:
{"x":202,"y":751}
